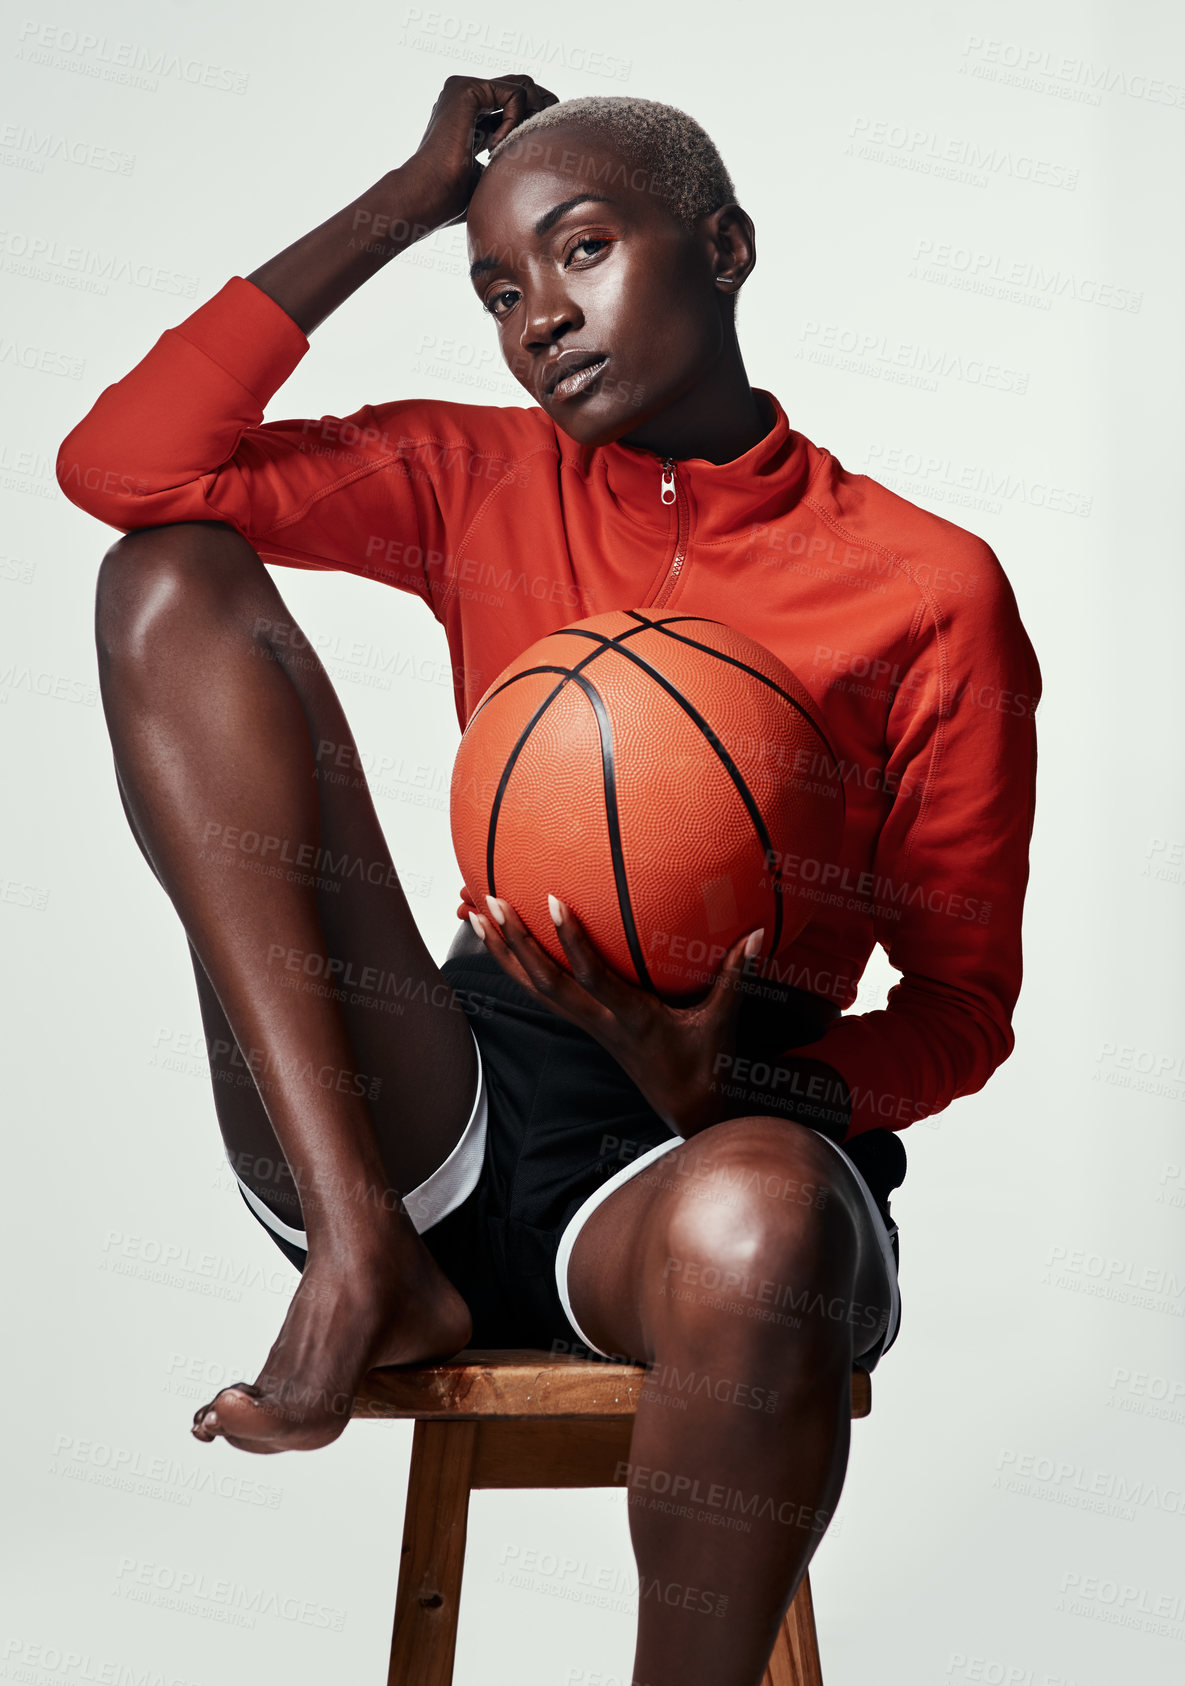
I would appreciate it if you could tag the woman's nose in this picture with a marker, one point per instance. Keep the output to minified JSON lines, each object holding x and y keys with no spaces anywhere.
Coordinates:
{"x":548,"y":317}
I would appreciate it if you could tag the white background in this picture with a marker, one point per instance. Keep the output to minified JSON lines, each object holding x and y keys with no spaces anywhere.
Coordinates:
{"x":1042,"y":1267}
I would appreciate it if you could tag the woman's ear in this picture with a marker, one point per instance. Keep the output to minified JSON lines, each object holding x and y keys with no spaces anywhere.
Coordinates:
{"x":734,"y":247}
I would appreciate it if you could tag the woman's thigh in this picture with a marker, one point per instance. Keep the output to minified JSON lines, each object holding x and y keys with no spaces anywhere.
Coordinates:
{"x":410,"y":1034}
{"x":189,"y":609}
{"x":753,"y":1211}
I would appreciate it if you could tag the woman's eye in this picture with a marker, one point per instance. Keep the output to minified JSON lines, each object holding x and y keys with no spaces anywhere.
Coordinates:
{"x":502,"y":303}
{"x":592,"y":240}
{"x":491,"y":304}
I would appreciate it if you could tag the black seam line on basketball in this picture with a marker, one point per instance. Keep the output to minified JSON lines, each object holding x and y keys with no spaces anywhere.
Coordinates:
{"x":733,"y":661}
{"x":496,"y":805}
{"x":730,"y":767}
{"x":664,"y":626}
{"x":612,"y":816}
{"x":605,"y":643}
{"x":569,"y":672}
{"x":613,"y":825}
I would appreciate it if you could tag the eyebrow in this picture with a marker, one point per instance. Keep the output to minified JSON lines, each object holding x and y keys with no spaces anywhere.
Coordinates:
{"x":543,"y":226}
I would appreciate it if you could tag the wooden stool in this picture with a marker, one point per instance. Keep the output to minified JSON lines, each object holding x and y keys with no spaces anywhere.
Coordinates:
{"x":518,"y":1419}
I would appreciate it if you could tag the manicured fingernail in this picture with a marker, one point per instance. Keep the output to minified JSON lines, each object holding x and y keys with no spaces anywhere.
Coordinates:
{"x":496,"y":908}
{"x":556,"y":908}
{"x":753,"y":943}
{"x":478,"y":926}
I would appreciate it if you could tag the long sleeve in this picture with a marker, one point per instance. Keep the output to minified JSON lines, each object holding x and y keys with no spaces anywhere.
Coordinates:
{"x":948,"y":878}
{"x":179,"y":439}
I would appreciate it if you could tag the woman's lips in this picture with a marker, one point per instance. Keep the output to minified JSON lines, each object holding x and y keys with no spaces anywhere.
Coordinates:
{"x":579,"y":380}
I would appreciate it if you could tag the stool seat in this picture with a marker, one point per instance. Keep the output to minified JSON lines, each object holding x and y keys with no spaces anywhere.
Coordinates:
{"x":506,"y":1419}
{"x":514,"y":1383}
{"x":506,"y":1383}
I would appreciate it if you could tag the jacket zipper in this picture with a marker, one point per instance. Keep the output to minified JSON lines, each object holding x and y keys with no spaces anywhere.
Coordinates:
{"x":670,"y":491}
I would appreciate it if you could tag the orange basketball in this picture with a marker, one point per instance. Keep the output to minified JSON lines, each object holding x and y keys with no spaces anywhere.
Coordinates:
{"x":654,"y":774}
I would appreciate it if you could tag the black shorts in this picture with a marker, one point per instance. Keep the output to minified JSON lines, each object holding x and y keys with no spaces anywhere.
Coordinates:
{"x":556,"y":1126}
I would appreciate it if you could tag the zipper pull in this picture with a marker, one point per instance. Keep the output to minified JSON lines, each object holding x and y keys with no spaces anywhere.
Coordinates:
{"x":668,"y":480}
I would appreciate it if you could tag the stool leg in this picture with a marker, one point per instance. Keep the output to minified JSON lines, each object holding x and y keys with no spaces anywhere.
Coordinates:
{"x":794,"y":1660}
{"x":428,"y":1599}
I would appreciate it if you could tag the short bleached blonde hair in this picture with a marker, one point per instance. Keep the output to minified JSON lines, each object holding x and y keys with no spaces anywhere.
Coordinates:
{"x":675,"y":155}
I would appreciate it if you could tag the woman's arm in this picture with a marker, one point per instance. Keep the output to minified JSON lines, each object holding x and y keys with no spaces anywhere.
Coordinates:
{"x":947,"y":883}
{"x":310,"y":278}
{"x":178,"y":438}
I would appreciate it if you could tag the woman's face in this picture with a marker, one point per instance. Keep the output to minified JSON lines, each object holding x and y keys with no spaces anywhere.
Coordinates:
{"x":606,"y":307}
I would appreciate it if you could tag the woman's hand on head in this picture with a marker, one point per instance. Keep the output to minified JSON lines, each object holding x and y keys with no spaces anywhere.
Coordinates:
{"x":671,"y":1053}
{"x":470,"y":116}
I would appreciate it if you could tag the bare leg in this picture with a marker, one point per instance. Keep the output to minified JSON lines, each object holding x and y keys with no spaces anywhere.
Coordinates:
{"x":242,"y":785}
{"x":741,"y":1439}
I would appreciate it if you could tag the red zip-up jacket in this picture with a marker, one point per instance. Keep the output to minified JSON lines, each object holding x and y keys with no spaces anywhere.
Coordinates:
{"x":902,"y":626}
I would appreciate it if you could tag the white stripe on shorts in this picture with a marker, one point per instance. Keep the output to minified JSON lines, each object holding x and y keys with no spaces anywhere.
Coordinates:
{"x":582,"y":1214}
{"x":437,"y":1196}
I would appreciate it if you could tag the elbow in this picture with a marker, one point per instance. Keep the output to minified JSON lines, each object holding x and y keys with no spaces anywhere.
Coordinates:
{"x":988,"y":1046}
{"x":101,"y":487}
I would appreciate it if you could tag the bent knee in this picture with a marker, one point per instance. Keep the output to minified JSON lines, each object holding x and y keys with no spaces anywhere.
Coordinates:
{"x":161,"y":577}
{"x":757,"y":1198}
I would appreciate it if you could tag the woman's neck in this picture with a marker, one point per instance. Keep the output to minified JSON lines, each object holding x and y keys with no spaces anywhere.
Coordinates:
{"x":718,"y":419}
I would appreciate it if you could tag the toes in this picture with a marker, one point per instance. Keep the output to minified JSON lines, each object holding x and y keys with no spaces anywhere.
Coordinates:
{"x":212,"y":1420}
{"x":205,"y":1425}
{"x":253,"y":1420}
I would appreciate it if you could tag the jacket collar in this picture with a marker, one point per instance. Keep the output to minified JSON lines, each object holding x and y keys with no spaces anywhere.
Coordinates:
{"x":724,"y":500}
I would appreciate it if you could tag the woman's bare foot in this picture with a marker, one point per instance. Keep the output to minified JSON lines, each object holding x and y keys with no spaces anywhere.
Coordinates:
{"x":386,"y":1305}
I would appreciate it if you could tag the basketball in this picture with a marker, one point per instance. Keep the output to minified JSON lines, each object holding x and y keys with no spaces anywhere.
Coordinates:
{"x":656,"y":775}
